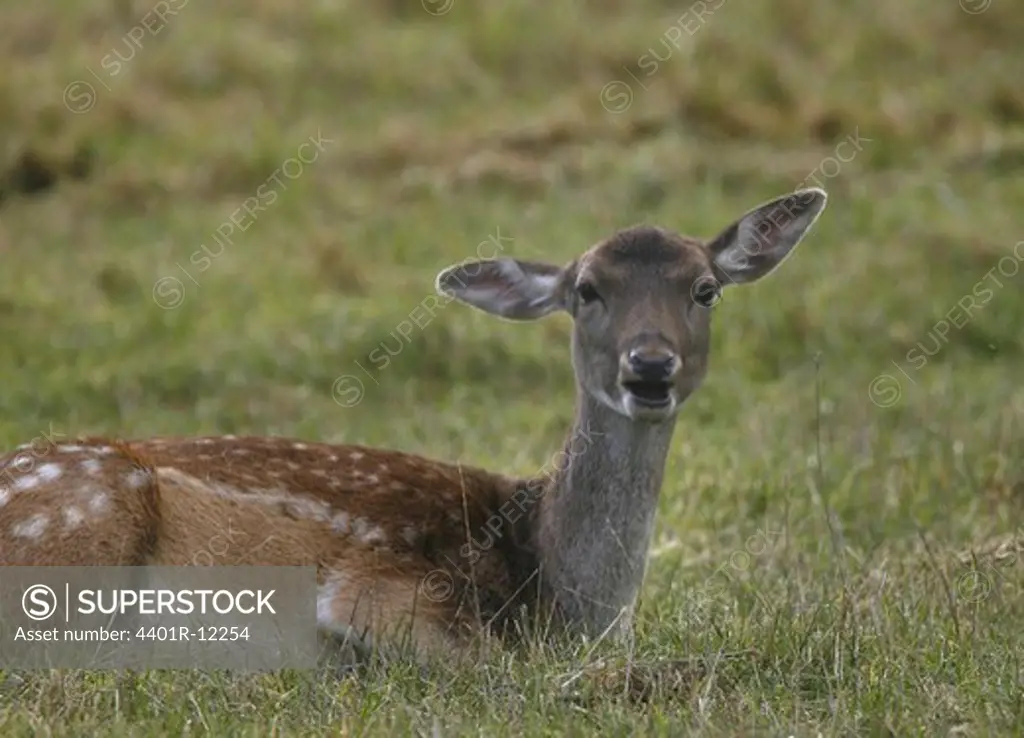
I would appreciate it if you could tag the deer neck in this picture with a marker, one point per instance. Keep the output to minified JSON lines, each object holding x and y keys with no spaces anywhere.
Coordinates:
{"x":596,"y":516}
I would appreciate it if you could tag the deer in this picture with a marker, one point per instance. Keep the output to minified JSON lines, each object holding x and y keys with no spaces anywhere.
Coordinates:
{"x":414,"y":550}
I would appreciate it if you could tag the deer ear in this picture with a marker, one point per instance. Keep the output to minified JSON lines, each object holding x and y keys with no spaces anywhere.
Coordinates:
{"x":508,"y":288}
{"x":758,"y":242}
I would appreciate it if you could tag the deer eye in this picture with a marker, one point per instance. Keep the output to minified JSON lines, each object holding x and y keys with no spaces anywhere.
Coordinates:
{"x":706,"y":292}
{"x":587,"y":293}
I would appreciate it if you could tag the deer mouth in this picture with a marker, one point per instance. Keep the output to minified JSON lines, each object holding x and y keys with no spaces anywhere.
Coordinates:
{"x":652,"y":394}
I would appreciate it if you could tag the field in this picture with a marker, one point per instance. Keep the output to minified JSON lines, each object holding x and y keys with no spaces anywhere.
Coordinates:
{"x":840,"y":531}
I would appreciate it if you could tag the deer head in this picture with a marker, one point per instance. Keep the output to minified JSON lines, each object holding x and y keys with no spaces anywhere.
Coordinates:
{"x":641,"y":300}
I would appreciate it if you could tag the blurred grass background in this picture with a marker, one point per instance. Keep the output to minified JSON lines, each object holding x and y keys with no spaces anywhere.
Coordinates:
{"x":886,"y":600}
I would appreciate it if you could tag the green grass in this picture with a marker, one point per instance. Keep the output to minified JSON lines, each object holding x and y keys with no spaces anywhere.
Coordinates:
{"x":806,"y":577}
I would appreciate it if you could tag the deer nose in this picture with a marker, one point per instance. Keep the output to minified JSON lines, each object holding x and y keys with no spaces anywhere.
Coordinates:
{"x":652,"y":366}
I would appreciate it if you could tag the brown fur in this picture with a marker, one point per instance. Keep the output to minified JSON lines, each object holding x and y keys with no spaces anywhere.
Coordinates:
{"x":253,"y":501}
{"x":417,"y":549}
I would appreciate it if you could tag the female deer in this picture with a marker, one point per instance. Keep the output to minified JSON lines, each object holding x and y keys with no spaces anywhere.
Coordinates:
{"x":412,"y":548}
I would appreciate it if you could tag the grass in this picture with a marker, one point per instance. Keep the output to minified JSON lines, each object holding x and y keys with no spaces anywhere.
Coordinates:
{"x":839,"y":533}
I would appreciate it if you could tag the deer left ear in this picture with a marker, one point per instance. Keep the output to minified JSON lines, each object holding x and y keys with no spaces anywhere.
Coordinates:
{"x":758,"y":242}
{"x":508,"y":288}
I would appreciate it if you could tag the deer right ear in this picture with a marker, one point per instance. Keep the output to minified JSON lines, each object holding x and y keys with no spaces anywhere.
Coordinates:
{"x":508,"y":288}
{"x":758,"y":242}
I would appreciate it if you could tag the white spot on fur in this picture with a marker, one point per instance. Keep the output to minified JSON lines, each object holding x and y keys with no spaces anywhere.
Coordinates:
{"x":300,"y":507}
{"x":99,"y":503}
{"x":73,"y":517}
{"x":367,"y":532}
{"x":373,"y":479}
{"x":230,"y":437}
{"x":32,"y":528}
{"x":320,"y":472}
{"x":410,"y":535}
{"x":49,"y":472}
{"x":103,"y":450}
{"x":334,"y":457}
{"x":137,"y":478}
{"x":293,"y":466}
{"x":27,"y":482}
{"x":356,"y":455}
{"x":70,"y":449}
{"x":340,"y":523}
{"x":299,"y":446}
{"x":5,"y":494}
{"x":91,"y":466}
{"x":204,"y":441}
